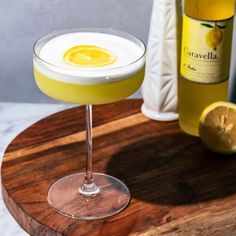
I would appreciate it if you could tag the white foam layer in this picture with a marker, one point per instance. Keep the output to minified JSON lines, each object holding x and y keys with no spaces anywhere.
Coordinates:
{"x":53,"y":65}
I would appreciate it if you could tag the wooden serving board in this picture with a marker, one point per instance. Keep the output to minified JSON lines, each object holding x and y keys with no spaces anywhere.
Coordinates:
{"x":178,"y":186}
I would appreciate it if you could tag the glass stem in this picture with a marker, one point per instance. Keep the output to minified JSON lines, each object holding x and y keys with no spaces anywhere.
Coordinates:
{"x":89,"y":144}
{"x":89,"y":188}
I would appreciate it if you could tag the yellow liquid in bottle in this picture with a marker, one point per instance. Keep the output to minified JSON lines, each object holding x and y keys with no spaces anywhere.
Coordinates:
{"x":215,"y":10}
{"x":197,"y":91}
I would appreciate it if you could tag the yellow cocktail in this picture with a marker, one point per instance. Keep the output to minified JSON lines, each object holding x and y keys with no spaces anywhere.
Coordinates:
{"x":89,"y":66}
{"x":62,"y":68}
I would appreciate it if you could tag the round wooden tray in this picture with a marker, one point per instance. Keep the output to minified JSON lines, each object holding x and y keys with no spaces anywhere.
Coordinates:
{"x":178,"y":187}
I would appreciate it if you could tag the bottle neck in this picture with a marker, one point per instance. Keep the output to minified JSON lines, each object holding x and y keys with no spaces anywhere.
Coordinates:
{"x":209,"y":10}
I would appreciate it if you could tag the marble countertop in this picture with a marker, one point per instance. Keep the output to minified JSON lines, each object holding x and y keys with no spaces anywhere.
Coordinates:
{"x":14,"y":118}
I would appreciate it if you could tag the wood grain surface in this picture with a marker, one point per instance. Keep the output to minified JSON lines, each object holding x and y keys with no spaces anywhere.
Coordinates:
{"x":178,"y":187}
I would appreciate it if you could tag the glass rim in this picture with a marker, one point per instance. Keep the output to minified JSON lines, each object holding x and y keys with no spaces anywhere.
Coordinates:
{"x":112,"y":31}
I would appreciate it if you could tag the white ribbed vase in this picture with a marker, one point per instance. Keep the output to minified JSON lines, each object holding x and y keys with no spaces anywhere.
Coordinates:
{"x":159,"y":89}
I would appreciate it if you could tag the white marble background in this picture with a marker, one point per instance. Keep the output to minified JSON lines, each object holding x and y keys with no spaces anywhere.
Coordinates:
{"x":14,"y":118}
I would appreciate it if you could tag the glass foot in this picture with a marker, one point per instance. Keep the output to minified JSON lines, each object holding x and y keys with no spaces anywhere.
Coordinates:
{"x":64,"y":196}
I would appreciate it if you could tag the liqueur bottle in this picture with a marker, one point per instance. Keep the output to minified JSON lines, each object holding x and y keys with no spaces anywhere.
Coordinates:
{"x":205,"y":58}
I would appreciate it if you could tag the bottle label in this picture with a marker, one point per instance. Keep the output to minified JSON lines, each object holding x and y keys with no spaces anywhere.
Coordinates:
{"x":206,"y":50}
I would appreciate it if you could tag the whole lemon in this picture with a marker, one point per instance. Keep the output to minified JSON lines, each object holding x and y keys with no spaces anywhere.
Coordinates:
{"x":214,"y":38}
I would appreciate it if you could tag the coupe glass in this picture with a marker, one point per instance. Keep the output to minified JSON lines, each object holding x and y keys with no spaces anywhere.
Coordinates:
{"x":88,"y":195}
